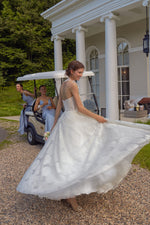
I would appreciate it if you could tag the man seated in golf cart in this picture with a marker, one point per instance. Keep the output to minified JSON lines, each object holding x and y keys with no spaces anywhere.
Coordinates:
{"x":47,"y":106}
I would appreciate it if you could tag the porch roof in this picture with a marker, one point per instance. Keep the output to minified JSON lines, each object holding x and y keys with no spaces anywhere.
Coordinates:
{"x":69,"y":14}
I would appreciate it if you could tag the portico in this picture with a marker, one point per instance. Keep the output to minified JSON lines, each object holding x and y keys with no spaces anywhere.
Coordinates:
{"x":100,"y":24}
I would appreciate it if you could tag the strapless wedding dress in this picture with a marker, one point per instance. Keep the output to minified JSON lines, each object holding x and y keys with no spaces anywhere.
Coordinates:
{"x":83,"y":156}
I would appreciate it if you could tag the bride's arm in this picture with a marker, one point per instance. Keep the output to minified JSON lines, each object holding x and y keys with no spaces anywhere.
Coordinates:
{"x":81,"y":108}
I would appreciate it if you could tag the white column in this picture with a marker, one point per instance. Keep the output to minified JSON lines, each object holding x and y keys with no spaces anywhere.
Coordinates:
{"x":80,"y":56}
{"x":58,"y":57}
{"x":112,"y":106}
{"x":147,"y":3}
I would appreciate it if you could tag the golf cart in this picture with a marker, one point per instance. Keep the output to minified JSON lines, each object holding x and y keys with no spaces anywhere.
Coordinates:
{"x":35,"y":123}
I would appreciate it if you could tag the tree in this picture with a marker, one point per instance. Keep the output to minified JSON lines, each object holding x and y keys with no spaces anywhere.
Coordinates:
{"x":25,"y":39}
{"x":2,"y":80}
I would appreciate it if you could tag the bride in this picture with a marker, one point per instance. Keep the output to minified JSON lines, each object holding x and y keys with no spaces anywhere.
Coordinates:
{"x":84,"y":153}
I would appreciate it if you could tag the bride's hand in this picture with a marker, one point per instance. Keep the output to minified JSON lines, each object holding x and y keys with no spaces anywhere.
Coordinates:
{"x":101,"y":119}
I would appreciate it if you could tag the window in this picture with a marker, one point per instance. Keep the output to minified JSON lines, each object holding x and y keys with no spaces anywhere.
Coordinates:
{"x":123,"y":73}
{"x":94,"y":66}
{"x":123,"y":54}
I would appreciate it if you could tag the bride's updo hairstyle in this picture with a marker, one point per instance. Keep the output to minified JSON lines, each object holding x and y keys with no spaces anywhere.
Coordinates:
{"x":73,"y":65}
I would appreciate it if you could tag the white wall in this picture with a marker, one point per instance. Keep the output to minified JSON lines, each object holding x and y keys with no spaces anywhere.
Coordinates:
{"x":138,"y":77}
{"x":133,"y":32}
{"x":98,"y":41}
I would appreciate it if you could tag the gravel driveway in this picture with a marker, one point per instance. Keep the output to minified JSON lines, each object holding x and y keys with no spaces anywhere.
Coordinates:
{"x":128,"y":204}
{"x":3,"y":134}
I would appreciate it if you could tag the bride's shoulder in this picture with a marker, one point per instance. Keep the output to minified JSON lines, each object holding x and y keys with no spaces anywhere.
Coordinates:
{"x":69,"y":82}
{"x":72,"y":83}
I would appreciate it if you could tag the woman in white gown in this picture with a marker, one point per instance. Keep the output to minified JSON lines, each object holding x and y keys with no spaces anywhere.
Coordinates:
{"x":84,"y":152}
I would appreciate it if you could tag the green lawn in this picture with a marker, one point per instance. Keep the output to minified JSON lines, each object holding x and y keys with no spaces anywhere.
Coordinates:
{"x":143,"y":157}
{"x":10,"y":102}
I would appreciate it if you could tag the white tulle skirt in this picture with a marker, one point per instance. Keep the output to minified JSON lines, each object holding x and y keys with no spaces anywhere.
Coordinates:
{"x":83,"y":156}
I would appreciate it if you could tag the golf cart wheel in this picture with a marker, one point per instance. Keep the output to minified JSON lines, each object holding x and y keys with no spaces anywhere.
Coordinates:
{"x":31,"y":136}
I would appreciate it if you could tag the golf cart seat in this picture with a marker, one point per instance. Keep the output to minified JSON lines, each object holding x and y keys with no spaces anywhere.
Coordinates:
{"x":90,"y":105}
{"x":29,"y":113}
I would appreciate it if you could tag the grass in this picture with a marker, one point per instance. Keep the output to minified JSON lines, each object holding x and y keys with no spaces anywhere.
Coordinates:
{"x":148,"y":122}
{"x":11,"y":127}
{"x":143,"y":157}
{"x":11,"y":102}
{"x":4,"y":144}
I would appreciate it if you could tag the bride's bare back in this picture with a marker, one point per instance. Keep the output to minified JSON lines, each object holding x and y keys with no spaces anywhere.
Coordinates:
{"x":66,"y":87}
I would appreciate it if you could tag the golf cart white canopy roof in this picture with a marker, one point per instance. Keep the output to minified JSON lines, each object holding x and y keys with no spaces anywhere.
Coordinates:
{"x":50,"y":75}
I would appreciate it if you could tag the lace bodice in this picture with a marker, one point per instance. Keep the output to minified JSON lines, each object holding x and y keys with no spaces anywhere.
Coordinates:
{"x":69,"y":104}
